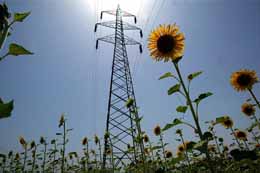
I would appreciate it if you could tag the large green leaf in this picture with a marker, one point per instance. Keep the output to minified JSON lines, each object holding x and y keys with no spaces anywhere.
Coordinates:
{"x":166,"y":75}
{"x":193,"y":75}
{"x":129,"y":102}
{"x":175,"y":122}
{"x":6,"y":109}
{"x":19,"y":17}
{"x":181,"y":109}
{"x":15,"y":49}
{"x":174,"y":89}
{"x":202,"y":96}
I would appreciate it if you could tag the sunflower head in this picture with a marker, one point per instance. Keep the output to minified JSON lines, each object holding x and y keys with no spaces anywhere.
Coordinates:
{"x":257,"y":146}
{"x":243,"y":79}
{"x":212,"y":148}
{"x":166,"y":43}
{"x":146,"y":138}
{"x":241,"y":135}
{"x":248,"y":109}
{"x":108,"y":151}
{"x":84,"y":141}
{"x":32,"y":145}
{"x":227,"y":122}
{"x":96,"y":139}
{"x":22,"y":141}
{"x":146,"y":151}
{"x":181,"y":148}
{"x":179,"y":153}
{"x":157,"y":130}
{"x":42,"y":140}
{"x":179,"y":132}
{"x":168,"y":154}
{"x":62,"y":120}
{"x":17,"y":156}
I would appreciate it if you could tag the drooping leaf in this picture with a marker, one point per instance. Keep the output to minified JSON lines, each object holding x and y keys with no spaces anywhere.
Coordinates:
{"x":15,"y":49}
{"x":175,"y":122}
{"x":221,"y":119}
{"x":166,"y":75}
{"x":181,"y":109}
{"x":193,"y":75}
{"x":19,"y":17}
{"x":174,"y":89}
{"x":156,"y":147}
{"x":202,"y":96}
{"x":6,"y":109}
{"x":129,"y":102}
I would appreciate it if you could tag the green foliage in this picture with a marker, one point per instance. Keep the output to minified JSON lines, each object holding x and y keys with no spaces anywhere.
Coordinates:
{"x":129,"y":102}
{"x":194,"y":75}
{"x":175,"y":122}
{"x":166,"y":75}
{"x":181,"y":109}
{"x":202,"y":96}
{"x":174,"y":89}
{"x":15,"y":49}
{"x":6,"y":108}
{"x":19,"y":17}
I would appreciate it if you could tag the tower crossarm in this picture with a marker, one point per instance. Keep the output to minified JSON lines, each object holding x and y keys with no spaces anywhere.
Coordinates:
{"x":112,"y":24}
{"x":123,"y":14}
{"x":111,"y":39}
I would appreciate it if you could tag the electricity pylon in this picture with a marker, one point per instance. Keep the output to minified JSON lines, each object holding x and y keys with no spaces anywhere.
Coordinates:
{"x":123,"y":141}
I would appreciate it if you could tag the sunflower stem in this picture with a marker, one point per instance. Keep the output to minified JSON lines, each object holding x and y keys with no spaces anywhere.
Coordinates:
{"x":254,"y":97}
{"x":193,"y":113}
{"x":246,"y":145}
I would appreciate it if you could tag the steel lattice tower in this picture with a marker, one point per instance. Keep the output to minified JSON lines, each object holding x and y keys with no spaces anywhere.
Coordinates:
{"x":122,"y":122}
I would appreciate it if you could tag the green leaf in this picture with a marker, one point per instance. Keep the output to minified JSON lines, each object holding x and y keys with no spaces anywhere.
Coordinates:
{"x":6,"y":109}
{"x":19,"y":17}
{"x":221,"y":119}
{"x":129,"y":102}
{"x":181,"y":109}
{"x":166,"y":75}
{"x":175,"y":122}
{"x":156,"y":147}
{"x":174,"y":89}
{"x":15,"y":49}
{"x":193,"y":75}
{"x":202,"y":96}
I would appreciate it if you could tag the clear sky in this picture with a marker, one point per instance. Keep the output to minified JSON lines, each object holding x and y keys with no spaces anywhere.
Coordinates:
{"x":66,"y":73}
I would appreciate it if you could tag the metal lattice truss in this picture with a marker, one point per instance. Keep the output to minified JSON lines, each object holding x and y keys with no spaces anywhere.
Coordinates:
{"x":120,"y":125}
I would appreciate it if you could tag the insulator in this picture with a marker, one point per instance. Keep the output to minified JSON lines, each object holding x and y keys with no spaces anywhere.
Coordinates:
{"x":141,"y":33}
{"x":135,"y":19}
{"x":97,"y":44}
{"x":101,"y":15}
{"x":95,"y":30}
{"x":140,"y":48}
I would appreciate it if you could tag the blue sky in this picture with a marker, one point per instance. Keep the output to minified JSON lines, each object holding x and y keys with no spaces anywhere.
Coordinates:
{"x":67,"y":75}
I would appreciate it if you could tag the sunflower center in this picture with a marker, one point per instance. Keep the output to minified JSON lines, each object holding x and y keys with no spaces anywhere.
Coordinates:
{"x":244,"y":80}
{"x":165,"y":43}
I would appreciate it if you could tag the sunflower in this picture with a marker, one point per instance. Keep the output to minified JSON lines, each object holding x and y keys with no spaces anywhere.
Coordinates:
{"x":181,"y":148}
{"x":212,"y":148}
{"x":248,"y":109}
{"x":108,"y":151}
{"x":241,"y":135}
{"x":146,"y":151}
{"x":32,"y":144}
{"x":243,"y":79}
{"x":157,"y":130}
{"x":22,"y":141}
{"x":227,"y":122}
{"x":84,"y":141}
{"x":168,"y":154}
{"x":42,"y":140}
{"x":17,"y":156}
{"x":179,"y":132}
{"x":166,"y":43}
{"x":146,"y":138}
{"x":62,"y":120}
{"x":257,"y":145}
{"x":179,"y":153}
{"x":96,"y":139}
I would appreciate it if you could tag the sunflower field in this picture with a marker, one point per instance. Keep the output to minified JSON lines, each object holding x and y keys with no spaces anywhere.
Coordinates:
{"x":207,"y":152}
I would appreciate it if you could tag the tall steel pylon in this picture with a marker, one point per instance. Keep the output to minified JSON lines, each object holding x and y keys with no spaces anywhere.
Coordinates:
{"x":122,"y":123}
